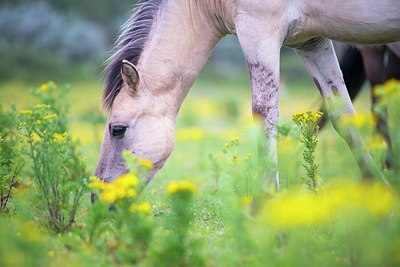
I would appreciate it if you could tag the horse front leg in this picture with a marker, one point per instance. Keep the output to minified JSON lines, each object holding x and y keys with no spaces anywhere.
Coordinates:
{"x":320,"y":60}
{"x":262,"y":56}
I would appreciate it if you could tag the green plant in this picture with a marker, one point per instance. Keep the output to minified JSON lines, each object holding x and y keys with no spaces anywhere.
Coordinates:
{"x":58,"y":171}
{"x":127,"y":227}
{"x":11,"y":160}
{"x":388,"y":111}
{"x":240,"y":169}
{"x":176,"y":247}
{"x":307,"y":121}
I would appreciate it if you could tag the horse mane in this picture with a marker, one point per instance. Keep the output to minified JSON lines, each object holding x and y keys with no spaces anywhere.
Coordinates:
{"x":129,"y":46}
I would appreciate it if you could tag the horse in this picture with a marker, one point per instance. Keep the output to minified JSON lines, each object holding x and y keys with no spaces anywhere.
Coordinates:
{"x":165,"y":43}
{"x":375,"y":64}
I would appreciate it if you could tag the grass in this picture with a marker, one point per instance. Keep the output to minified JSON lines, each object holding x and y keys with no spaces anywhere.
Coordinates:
{"x":217,"y":110}
{"x":223,"y":223}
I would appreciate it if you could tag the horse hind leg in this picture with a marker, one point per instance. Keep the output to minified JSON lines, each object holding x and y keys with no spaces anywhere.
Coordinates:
{"x":320,"y":60}
{"x":351,"y":64}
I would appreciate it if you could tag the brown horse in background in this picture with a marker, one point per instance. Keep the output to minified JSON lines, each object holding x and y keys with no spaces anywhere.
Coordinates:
{"x":375,"y":64}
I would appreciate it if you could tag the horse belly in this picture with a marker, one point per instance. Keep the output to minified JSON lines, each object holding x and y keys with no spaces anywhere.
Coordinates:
{"x":360,"y":22}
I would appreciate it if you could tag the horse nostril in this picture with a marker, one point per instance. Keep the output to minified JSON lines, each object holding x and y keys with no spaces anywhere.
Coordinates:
{"x":118,"y":131}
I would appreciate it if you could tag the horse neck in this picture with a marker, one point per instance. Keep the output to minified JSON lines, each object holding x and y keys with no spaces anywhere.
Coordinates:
{"x":180,"y":41}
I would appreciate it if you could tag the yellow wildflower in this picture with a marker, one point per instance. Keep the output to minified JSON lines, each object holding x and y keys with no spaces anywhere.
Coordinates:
{"x":59,"y":138}
{"x":359,"y":120}
{"x":234,"y":139}
{"x":38,"y":122}
{"x":95,"y":183}
{"x":122,"y":187}
{"x":44,"y":87}
{"x":306,"y":117}
{"x":144,"y":207}
{"x":146,"y":164}
{"x":50,"y":116}
{"x":26,"y":112}
{"x":388,"y":91}
{"x":299,"y":208}
{"x":42,"y":106}
{"x":127,"y":180}
{"x":377,"y":143}
{"x":388,"y":88}
{"x":247,"y":200}
{"x":181,"y":187}
{"x":36,"y":138}
{"x":109,"y":194}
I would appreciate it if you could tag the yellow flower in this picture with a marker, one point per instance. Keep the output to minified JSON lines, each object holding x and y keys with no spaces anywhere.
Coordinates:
{"x":234,"y":139}
{"x":126,"y":180}
{"x":59,"y":138}
{"x":26,"y":112}
{"x":146,"y":164}
{"x":50,"y":116}
{"x":377,"y":143}
{"x":42,"y":106}
{"x":247,"y":200}
{"x":44,"y":87}
{"x":123,"y":187}
{"x":95,"y":183}
{"x":36,"y":138}
{"x":359,"y":120}
{"x":38,"y":122}
{"x":342,"y":198}
{"x":181,"y":187}
{"x":306,"y":117}
{"x":109,"y":194}
{"x":144,"y":207}
{"x":298,"y":208}
{"x":388,"y":91}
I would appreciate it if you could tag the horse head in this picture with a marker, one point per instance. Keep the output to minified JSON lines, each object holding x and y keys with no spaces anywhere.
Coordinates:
{"x":136,"y":123}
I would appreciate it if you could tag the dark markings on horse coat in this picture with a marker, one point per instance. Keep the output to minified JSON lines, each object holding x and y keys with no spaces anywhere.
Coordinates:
{"x":128,"y":46}
{"x":264,"y":84}
{"x":318,"y":85}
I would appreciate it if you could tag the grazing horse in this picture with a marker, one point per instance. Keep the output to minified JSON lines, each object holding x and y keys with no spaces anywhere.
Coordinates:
{"x":375,"y":64}
{"x":165,"y":44}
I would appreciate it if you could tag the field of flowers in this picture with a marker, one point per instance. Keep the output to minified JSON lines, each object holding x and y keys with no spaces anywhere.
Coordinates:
{"x":209,"y":205}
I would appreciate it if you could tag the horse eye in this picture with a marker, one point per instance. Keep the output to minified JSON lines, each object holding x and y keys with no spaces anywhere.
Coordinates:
{"x":118,"y":131}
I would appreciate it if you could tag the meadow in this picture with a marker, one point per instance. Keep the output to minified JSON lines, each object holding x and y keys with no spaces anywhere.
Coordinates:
{"x":209,"y":205}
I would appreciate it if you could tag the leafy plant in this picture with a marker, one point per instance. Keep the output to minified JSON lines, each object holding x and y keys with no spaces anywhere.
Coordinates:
{"x":388,"y":111}
{"x":307,"y":121}
{"x":126,"y":226}
{"x":11,"y":160}
{"x":58,"y":171}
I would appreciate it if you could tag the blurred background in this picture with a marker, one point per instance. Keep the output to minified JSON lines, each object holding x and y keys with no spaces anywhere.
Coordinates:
{"x":67,"y":41}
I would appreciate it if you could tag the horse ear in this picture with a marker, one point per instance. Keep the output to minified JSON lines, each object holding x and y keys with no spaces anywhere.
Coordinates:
{"x":130,"y":74}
